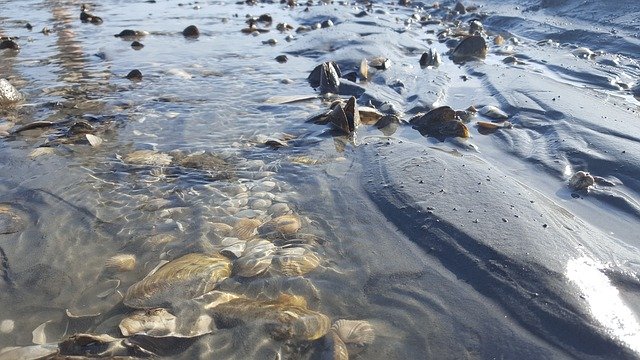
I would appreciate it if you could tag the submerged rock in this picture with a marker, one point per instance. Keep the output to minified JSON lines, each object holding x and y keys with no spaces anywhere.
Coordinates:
{"x":191,"y":31}
{"x":9,"y":44}
{"x":85,"y":17}
{"x":134,"y":75}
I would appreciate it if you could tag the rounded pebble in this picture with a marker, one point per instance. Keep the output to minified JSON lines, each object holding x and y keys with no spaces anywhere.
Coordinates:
{"x":7,"y":326}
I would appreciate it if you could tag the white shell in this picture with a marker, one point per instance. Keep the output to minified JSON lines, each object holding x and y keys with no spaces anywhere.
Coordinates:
{"x":93,"y":140}
{"x":122,"y":262}
{"x":493,"y":112}
{"x":233,"y":247}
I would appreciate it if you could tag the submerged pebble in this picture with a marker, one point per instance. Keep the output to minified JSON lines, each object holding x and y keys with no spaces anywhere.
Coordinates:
{"x":8,"y":93}
{"x":191,"y":31}
{"x":7,"y":326}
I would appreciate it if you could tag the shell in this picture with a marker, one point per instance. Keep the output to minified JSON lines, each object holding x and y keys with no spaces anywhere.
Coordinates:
{"x":284,"y":224}
{"x":148,"y":157}
{"x":334,"y":348}
{"x":279,"y":209}
{"x":233,"y":247}
{"x":352,"y":113}
{"x":255,"y":259}
{"x":356,"y":334}
{"x":493,"y":112}
{"x":363,"y":70}
{"x":10,"y":220}
{"x":581,"y":180}
{"x":221,"y":229}
{"x":288,"y":316}
{"x":369,"y":115}
{"x":295,"y":261}
{"x":245,"y":228}
{"x":430,"y":58}
{"x":380,"y":63}
{"x":122,"y":262}
{"x":326,"y":77}
{"x":498,"y":40}
{"x":152,"y":322}
{"x":494,"y":126}
{"x":181,"y":279}
{"x":472,"y":47}
{"x":440,"y":123}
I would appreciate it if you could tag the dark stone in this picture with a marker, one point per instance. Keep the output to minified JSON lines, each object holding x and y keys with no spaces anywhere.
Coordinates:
{"x":266,"y":18}
{"x":128,"y":33}
{"x":191,"y":31}
{"x":282,"y":58}
{"x":9,"y":44}
{"x":29,"y":26}
{"x":326,"y":24}
{"x":460,"y":8}
{"x":136,"y":45}
{"x":135,"y":75}
{"x":351,"y":76}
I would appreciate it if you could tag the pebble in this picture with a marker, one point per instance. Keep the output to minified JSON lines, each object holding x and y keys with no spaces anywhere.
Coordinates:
{"x":7,"y":326}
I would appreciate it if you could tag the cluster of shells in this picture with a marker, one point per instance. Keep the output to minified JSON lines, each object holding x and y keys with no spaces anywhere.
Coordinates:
{"x":253,"y":238}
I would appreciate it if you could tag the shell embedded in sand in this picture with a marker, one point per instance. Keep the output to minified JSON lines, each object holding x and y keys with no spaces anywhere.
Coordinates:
{"x":122,"y":262}
{"x":472,"y":47}
{"x":285,"y":224}
{"x":334,"y":348}
{"x":581,"y":180}
{"x":10,"y":220}
{"x":152,"y":322}
{"x":356,"y":334}
{"x":245,"y":228}
{"x":295,"y":261}
{"x":440,"y":122}
{"x":494,"y":125}
{"x":181,"y":279}
{"x":430,"y":58}
{"x":256,"y":258}
{"x":363,"y":70}
{"x":148,"y":157}
{"x":493,"y":112}
{"x":369,"y":115}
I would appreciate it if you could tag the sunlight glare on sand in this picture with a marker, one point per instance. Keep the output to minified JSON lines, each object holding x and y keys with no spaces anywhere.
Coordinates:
{"x":604,"y":301}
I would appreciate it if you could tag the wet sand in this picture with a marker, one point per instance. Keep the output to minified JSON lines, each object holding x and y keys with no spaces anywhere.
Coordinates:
{"x":462,"y":248}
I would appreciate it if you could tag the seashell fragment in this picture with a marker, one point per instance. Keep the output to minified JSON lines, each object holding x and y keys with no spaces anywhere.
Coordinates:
{"x":581,"y":180}
{"x":93,"y":140}
{"x":285,"y":224}
{"x":471,"y":48}
{"x":333,"y":348}
{"x":122,"y":262}
{"x":356,"y":334}
{"x":39,"y":335}
{"x":153,"y":322}
{"x":181,"y":279}
{"x":255,"y":259}
{"x":493,"y":112}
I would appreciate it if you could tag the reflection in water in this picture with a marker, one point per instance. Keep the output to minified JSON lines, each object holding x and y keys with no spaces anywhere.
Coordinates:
{"x":604,"y":301}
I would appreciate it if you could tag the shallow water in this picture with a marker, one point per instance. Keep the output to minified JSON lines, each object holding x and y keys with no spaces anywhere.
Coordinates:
{"x":494,"y":257}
